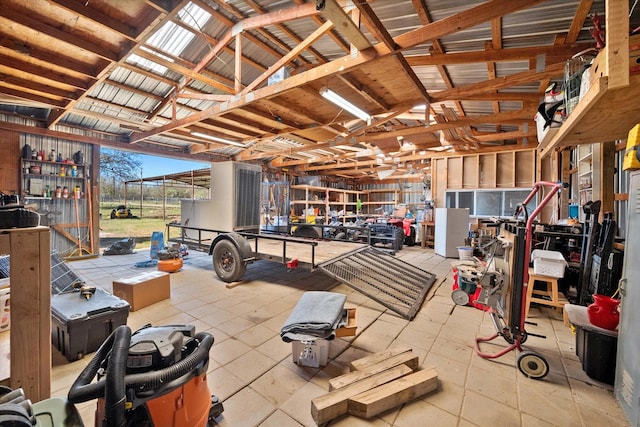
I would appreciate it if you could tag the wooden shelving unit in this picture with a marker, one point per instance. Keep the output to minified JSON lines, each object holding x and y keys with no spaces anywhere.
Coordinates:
{"x":610,"y":108}
{"x":325,"y":200}
{"x":585,"y":173}
{"x":375,"y":201}
{"x":602,"y":115}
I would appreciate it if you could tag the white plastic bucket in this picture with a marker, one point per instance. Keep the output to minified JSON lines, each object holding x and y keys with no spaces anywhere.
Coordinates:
{"x":465,"y":252}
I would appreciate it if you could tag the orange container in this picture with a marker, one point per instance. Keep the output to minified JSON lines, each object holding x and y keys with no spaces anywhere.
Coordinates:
{"x":170,"y":265}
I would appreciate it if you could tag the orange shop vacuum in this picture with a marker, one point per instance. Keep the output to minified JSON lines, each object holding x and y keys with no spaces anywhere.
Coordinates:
{"x":155,"y":377}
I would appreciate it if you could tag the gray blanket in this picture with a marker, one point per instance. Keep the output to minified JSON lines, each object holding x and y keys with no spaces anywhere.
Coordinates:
{"x":316,"y":316}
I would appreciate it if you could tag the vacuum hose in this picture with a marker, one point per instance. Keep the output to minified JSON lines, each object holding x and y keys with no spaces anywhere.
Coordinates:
{"x":115,"y":397}
{"x":82,"y":390}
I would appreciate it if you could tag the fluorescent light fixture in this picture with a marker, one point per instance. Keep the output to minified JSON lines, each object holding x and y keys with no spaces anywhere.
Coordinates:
{"x":344,"y":104}
{"x":217,"y":139}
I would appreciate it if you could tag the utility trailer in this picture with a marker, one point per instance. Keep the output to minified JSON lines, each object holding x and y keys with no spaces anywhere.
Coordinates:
{"x":396,"y":284}
{"x":227,"y":224}
{"x":233,"y":251}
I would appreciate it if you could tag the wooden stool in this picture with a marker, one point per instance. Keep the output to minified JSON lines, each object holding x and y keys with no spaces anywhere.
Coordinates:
{"x":552,"y":299}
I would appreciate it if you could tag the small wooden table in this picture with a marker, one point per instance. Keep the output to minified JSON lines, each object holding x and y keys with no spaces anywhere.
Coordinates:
{"x":428,"y":230}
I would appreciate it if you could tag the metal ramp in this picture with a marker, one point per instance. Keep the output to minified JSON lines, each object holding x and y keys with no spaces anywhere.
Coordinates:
{"x":394,"y":283}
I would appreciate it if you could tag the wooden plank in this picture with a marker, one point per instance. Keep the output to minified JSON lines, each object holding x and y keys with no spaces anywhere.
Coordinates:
{"x":344,"y":25}
{"x":409,"y":359}
{"x":488,"y":167}
{"x":505,"y":174}
{"x":334,"y":404}
{"x":525,"y":169}
{"x":617,"y":43}
{"x":30,"y":343}
{"x":395,"y":393}
{"x":470,"y":171}
{"x":363,"y":362}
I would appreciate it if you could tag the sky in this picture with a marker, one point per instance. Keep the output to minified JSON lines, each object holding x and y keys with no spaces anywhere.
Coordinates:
{"x":156,"y":166}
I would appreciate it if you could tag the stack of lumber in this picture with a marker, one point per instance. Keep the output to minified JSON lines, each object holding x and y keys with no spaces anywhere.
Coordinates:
{"x":375,"y":384}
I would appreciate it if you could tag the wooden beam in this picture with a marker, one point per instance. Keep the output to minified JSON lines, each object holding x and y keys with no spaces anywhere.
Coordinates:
{"x":436,"y":46}
{"x":39,"y":100}
{"x":348,"y":140}
{"x":237,"y":88}
{"x":276,"y":163}
{"x":364,"y":91}
{"x":374,"y":25}
{"x":73,"y":40}
{"x":99,"y":18}
{"x":184,"y":70}
{"x":334,"y":404}
{"x":498,"y":55}
{"x":344,"y":25}
{"x":50,"y":73}
{"x":395,"y":393}
{"x":289,"y":56}
{"x":584,"y":7}
{"x":460,"y":21}
{"x":204,"y":96}
{"x":469,"y":18}
{"x":321,"y":59}
{"x":249,"y":36}
{"x":152,"y":21}
{"x":333,"y":34}
{"x":617,"y":48}
{"x":69,"y":64}
{"x":523,"y":77}
{"x":277,"y":17}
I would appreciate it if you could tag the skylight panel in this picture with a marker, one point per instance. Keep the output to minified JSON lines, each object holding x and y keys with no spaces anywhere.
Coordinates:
{"x":172,"y":38}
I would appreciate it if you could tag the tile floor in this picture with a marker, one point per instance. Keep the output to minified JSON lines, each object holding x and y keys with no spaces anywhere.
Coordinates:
{"x":251,"y":368}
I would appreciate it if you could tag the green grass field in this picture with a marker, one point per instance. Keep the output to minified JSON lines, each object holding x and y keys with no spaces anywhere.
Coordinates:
{"x":140,"y":227}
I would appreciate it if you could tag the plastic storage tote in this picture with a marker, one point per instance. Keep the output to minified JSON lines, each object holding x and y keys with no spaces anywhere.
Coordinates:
{"x":79,"y":326}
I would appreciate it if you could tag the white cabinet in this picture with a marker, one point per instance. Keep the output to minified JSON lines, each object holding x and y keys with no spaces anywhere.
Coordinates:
{"x":451,"y":230}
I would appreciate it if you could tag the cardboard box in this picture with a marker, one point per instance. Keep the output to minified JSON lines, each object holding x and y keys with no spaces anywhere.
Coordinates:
{"x":144,"y":289}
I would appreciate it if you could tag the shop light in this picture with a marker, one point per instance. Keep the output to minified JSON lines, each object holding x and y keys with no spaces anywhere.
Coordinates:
{"x":217,"y":139}
{"x":344,"y":104}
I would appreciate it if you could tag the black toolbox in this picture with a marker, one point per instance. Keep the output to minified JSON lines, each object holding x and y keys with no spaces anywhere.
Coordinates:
{"x":79,"y":325}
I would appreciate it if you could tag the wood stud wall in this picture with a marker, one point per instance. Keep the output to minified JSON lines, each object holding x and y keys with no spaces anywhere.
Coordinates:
{"x":512,"y":169}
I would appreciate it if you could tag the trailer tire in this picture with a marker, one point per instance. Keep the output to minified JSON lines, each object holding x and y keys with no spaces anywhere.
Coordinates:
{"x":340,"y":236}
{"x":410,"y":240}
{"x":307,"y":231}
{"x":227,"y":262}
{"x":398,"y":241}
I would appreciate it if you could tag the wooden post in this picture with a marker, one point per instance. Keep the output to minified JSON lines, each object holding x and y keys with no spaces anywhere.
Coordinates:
{"x":30,"y":344}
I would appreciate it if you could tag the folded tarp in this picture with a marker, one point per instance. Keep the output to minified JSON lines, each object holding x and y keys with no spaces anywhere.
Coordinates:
{"x":317,"y":315}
